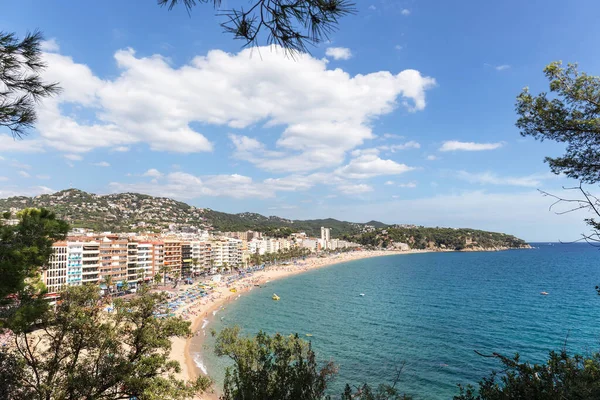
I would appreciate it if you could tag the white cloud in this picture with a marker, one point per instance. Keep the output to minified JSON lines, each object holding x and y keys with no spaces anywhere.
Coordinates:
{"x":73,"y":157}
{"x":355,"y":189}
{"x":322,"y":113}
{"x":370,"y":165}
{"x":431,"y":157}
{"x":402,"y":146}
{"x":8,"y":144}
{"x":50,"y":46}
{"x":44,"y":177}
{"x":101,"y":164}
{"x":389,"y":183}
{"x":20,"y":165}
{"x":372,"y":7}
{"x":184,"y":186}
{"x":153,"y":173}
{"x":405,"y":11}
{"x":409,"y":185}
{"x":24,"y":174}
{"x":398,"y":47}
{"x":392,"y":136}
{"x":181,"y":185}
{"x":121,"y":149}
{"x":11,"y":191}
{"x":363,"y":152}
{"x":454,"y":145}
{"x":339,"y":53}
{"x":501,"y":67}
{"x":3,"y":179}
{"x":490,"y":178}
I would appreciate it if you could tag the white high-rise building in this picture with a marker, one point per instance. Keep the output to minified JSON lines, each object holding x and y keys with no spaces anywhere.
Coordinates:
{"x":55,"y":274}
{"x":325,"y":237}
{"x":144,"y":260}
{"x":325,"y":234}
{"x":91,"y":262}
{"x":226,"y":251}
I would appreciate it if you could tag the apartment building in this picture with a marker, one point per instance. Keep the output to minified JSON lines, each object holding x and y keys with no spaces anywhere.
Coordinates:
{"x":187,"y":263}
{"x":325,"y":237}
{"x":90,"y":262}
{"x":202,"y":254}
{"x":145,"y":260}
{"x":113,"y":260}
{"x":54,"y":275}
{"x":263,"y":246}
{"x":158,"y":256}
{"x":132,"y":264}
{"x":74,"y":263}
{"x":226,"y":251}
{"x":172,"y":257}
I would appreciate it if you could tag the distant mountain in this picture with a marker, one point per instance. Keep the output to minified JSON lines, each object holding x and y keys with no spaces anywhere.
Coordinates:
{"x":125,"y":212}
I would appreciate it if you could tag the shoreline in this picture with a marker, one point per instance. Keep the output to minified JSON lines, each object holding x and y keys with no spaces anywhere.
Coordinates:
{"x":180,"y":350}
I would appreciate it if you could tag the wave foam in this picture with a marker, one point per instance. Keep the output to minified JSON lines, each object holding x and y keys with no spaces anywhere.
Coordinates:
{"x":199,"y":363}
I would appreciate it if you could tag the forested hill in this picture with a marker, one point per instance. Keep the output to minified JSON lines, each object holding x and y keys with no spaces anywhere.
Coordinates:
{"x":126,"y":212}
{"x":418,"y":237}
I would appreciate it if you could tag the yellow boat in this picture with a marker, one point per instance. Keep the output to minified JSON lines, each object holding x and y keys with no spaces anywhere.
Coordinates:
{"x":233,"y":290}
{"x":275,"y":297}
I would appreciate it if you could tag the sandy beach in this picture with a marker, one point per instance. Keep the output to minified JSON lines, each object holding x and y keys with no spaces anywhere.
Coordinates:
{"x":203,"y":309}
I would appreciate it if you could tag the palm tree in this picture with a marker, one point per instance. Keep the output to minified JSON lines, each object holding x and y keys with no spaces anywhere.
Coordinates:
{"x":157,"y":278}
{"x":163,"y":270}
{"x":195,"y":263}
{"x":108,"y":281}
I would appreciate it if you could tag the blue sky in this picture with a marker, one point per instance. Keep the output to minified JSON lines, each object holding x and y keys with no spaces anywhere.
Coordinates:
{"x":406,"y":115}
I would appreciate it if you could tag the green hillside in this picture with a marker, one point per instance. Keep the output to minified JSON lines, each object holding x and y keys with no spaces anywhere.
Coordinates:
{"x":125,"y":212}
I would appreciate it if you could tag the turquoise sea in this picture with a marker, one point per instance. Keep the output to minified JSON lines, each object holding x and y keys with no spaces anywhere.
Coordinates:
{"x":430,"y":311}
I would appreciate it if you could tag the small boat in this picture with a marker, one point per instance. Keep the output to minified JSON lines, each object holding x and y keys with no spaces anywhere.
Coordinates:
{"x":275,"y":297}
{"x":362,"y":294}
{"x":544,"y":293}
{"x":309,"y":334}
{"x":233,"y":290}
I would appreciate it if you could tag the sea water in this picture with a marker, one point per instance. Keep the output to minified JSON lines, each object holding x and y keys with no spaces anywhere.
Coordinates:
{"x":430,"y":311}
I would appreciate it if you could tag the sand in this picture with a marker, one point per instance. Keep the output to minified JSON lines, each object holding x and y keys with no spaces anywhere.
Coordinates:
{"x":197,"y":312}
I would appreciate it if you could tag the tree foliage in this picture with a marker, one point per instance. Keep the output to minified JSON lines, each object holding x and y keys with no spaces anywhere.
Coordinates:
{"x":562,"y":377}
{"x":21,"y":85}
{"x":570,"y":114}
{"x":284,"y":368}
{"x":277,"y":367}
{"x":291,"y":24}
{"x":419,"y":237}
{"x":26,"y":247}
{"x":82,"y":352}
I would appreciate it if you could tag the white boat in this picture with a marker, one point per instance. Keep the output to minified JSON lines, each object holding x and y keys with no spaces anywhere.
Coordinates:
{"x":362,"y":294}
{"x":544,"y":293}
